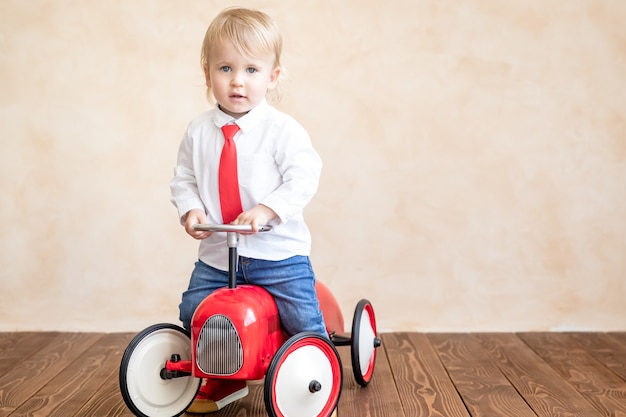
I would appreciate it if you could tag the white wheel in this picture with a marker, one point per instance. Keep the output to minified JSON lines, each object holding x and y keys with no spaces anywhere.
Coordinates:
{"x":304,"y":378}
{"x":144,"y":391}
{"x":364,"y":342}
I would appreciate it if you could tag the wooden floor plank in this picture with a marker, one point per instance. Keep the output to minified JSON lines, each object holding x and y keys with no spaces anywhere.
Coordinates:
{"x":107,"y":402}
{"x":596,"y":383}
{"x":483,"y":387}
{"x":68,"y":392}
{"x":417,"y":374}
{"x":608,"y":348}
{"x":6,"y":411}
{"x":21,"y":383}
{"x":422,"y":382}
{"x":542,"y":387}
{"x":374,"y":400}
{"x":16,"y":347}
{"x":618,"y":364}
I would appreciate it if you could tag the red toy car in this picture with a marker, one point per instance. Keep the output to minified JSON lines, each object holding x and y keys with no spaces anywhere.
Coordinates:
{"x":236,"y":334}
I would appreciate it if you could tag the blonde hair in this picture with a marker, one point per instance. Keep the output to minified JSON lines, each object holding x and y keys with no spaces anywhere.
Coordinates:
{"x":251,"y":32}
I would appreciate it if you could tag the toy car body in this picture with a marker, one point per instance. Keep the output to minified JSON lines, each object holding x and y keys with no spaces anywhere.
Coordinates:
{"x":236,"y":334}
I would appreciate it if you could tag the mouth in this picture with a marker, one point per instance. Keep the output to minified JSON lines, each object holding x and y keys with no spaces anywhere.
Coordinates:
{"x":237,"y":96}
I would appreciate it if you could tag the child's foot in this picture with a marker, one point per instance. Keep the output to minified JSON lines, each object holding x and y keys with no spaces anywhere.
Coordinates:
{"x":216,"y":394}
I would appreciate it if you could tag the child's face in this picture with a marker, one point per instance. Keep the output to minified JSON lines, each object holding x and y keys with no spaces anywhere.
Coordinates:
{"x":239,"y":82}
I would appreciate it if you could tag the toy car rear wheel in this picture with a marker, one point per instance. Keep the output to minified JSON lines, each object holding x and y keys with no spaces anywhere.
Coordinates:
{"x":304,"y":378}
{"x":364,"y":342}
{"x":144,"y":391}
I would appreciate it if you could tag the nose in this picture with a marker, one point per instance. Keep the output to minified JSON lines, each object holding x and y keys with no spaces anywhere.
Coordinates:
{"x":237,"y":79}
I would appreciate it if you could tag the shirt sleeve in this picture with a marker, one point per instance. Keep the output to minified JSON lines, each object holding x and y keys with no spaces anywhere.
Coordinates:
{"x":300,"y":168}
{"x":184,"y":187}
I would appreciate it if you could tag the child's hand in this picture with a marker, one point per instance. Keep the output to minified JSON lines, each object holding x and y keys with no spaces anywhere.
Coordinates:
{"x":196,"y":216}
{"x":256,"y":217}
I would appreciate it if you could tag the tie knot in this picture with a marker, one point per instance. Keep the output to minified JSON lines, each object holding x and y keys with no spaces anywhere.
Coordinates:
{"x":229,"y":131}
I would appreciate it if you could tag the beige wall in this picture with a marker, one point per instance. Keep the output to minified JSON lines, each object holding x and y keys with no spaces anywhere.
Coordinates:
{"x":475,"y":158}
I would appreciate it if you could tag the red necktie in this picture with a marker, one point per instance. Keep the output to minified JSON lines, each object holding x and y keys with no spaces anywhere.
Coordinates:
{"x":230,"y":200}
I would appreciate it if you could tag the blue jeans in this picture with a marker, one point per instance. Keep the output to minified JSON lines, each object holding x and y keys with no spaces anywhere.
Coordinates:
{"x":290,"y":281}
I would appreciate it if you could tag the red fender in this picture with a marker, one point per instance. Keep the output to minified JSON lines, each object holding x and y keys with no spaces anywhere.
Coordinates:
{"x":330,"y":309}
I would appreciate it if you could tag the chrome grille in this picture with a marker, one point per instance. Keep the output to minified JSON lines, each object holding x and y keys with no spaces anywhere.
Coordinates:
{"x":219,"y":350}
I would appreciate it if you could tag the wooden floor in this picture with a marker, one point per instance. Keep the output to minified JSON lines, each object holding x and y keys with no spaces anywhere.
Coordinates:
{"x":446,"y":375}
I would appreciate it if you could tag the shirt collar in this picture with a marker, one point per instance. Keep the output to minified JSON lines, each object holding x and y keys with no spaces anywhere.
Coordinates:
{"x":246,"y":122}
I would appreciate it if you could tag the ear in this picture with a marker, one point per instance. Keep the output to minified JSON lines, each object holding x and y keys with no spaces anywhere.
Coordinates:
{"x":274,"y":77}
{"x":207,"y":76}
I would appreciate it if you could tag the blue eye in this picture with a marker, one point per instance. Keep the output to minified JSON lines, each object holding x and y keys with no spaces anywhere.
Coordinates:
{"x":251,"y":70}
{"x":225,"y":68}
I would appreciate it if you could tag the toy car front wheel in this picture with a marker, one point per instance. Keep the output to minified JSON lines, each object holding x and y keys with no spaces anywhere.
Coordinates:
{"x":304,"y":378}
{"x":364,"y":342}
{"x":144,"y":391}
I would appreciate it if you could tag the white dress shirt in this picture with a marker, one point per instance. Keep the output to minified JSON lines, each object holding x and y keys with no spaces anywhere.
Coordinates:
{"x":277,"y":167}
